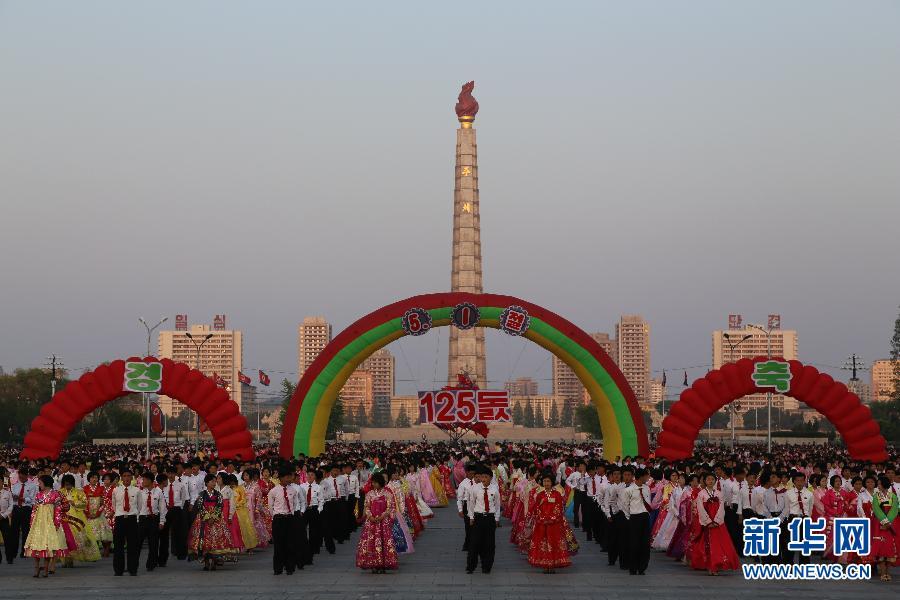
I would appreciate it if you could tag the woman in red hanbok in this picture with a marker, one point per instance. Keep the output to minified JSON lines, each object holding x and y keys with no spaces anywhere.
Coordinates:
{"x":548,"y":547}
{"x":520,"y":504}
{"x":833,"y":506}
{"x":445,"y":480}
{"x":376,"y":549}
{"x":524,"y":540}
{"x":711,"y":546}
{"x":881,"y":510}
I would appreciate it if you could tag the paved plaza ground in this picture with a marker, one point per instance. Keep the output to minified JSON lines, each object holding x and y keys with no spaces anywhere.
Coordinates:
{"x":435,"y":570}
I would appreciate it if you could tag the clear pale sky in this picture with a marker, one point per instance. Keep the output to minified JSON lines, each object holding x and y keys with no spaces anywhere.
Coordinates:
{"x":271,"y":160}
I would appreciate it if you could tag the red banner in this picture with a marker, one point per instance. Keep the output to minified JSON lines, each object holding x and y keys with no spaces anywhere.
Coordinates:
{"x":243,"y":378}
{"x":464,"y":406}
{"x":156,"y":418}
{"x":263,"y":378}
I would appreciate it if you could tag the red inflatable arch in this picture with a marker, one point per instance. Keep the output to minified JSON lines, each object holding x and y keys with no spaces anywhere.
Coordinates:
{"x":105,"y":383}
{"x":817,"y":390}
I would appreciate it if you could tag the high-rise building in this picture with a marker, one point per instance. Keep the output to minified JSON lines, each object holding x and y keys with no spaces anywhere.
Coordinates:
{"x":466,"y":345}
{"x":381,"y":365}
{"x":522,"y":386}
{"x":883,"y":375}
{"x":222,"y":355}
{"x":861,"y":389}
{"x":732,"y":349}
{"x":633,"y":354}
{"x":566,"y":384}
{"x":358,"y":397}
{"x":313,"y":334}
{"x":657,"y":391}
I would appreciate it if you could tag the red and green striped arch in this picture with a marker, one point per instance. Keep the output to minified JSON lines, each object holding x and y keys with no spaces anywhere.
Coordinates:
{"x":307,"y":415}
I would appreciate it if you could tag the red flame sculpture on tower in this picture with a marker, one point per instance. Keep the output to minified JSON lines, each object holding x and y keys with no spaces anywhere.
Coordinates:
{"x":467,"y":105}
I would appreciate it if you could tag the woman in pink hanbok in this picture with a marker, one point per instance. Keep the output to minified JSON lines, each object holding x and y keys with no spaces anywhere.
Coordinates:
{"x":376,"y":549}
{"x":415,"y":492}
{"x":257,"y":503}
{"x":660,"y":500}
{"x":425,"y":487}
{"x":681,"y":538}
{"x":819,"y":487}
{"x":669,"y":522}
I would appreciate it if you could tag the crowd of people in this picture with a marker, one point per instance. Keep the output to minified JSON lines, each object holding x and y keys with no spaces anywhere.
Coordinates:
{"x":94,"y":502}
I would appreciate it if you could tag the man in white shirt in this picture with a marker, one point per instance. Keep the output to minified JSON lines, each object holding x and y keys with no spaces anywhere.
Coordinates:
{"x":362,"y":474}
{"x":351,"y":498}
{"x":312,"y":493}
{"x":575,"y":481}
{"x":798,"y":503}
{"x":597,"y":490}
{"x":6,"y":509}
{"x":175,"y":496}
{"x":614,"y":518}
{"x":302,"y":555}
{"x":331,"y":512}
{"x":637,"y":511}
{"x":126,"y":506}
{"x":483,"y":504}
{"x":731,"y":498}
{"x":620,"y":521}
{"x":281,"y":501}
{"x":23,"y":493}
{"x":152,"y":516}
{"x":462,"y":496}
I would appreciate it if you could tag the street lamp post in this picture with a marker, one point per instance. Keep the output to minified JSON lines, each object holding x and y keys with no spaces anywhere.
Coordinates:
{"x":146,"y":398}
{"x":197,"y":366}
{"x":768,"y":333}
{"x":732,"y":346}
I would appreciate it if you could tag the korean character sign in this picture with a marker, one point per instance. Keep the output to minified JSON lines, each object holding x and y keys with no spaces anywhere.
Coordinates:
{"x":773,"y":374}
{"x":514,"y":320}
{"x":143,"y":377}
{"x":493,"y":406}
{"x":447,"y":407}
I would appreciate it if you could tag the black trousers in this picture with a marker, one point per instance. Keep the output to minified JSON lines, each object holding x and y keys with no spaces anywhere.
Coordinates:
{"x":747,"y":513}
{"x":598,"y":525}
{"x":302,"y":555}
{"x":467,"y":526}
{"x":361,"y":504}
{"x":587,"y":516}
{"x":732,"y":523}
{"x":284,"y":557}
{"x":638,"y":543}
{"x":482,"y":543}
{"x":313,"y":521}
{"x":150,"y":533}
{"x":126,"y":536}
{"x":21,"y":525}
{"x":9,"y":542}
{"x":174,"y":536}
{"x":331,"y":522}
{"x":615,"y":538}
{"x":577,"y":504}
{"x":787,"y":556}
{"x":349,"y":507}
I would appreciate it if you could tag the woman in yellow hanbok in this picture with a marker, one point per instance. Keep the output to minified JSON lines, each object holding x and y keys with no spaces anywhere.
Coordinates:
{"x":87,"y":550}
{"x":435,"y":477}
{"x":242,"y":512}
{"x":97,"y":520}
{"x":45,"y":542}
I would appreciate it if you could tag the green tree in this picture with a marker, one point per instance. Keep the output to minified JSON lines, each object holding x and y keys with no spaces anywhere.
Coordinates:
{"x":567,"y":419}
{"x":402,"y":418}
{"x":287,"y":391}
{"x":553,"y":421}
{"x":588,"y":420}
{"x":335,"y":419}
{"x":539,"y":417}
{"x":22,"y":394}
{"x":887,"y":413}
{"x":528,"y":419}
{"x":518,"y":415}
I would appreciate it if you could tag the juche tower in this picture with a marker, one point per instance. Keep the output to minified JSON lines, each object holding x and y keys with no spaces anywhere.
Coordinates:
{"x":466,"y":346}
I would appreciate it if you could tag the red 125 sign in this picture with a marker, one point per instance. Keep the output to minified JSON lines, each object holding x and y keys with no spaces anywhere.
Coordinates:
{"x":464,"y":406}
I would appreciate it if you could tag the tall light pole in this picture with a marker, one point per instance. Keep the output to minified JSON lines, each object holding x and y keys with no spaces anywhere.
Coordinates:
{"x":768,"y":333}
{"x":146,"y":398}
{"x":197,"y":366}
{"x":732,"y":346}
{"x":53,"y":363}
